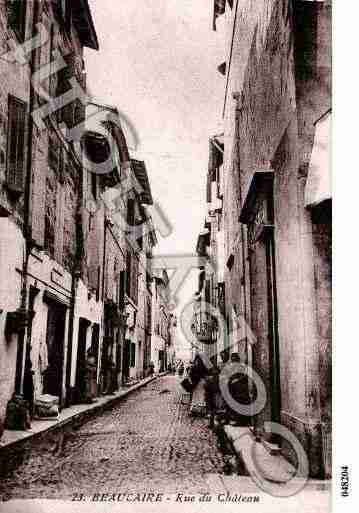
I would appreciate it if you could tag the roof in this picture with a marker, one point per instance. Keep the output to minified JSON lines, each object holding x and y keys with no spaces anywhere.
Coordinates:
{"x":82,"y":19}
{"x":139,"y":168}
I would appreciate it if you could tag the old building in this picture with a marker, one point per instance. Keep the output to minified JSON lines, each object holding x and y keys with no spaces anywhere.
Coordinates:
{"x":42,"y":193}
{"x":119,"y":198}
{"x":161,"y":320}
{"x":209,"y":321}
{"x":14,"y":167}
{"x":277,"y":209}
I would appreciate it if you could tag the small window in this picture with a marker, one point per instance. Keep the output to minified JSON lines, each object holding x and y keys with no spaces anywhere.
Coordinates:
{"x":16,"y":146}
{"x":16,"y":16}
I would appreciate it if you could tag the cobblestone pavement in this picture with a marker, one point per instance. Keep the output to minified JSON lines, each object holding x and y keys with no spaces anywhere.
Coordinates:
{"x":147,"y":443}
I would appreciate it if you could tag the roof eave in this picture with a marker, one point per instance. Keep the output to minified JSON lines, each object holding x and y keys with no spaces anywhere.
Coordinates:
{"x":91,"y":41}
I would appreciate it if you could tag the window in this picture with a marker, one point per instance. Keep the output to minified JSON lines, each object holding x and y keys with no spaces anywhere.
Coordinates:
{"x":134,"y":280}
{"x":140,"y":236}
{"x":16,"y":16}
{"x":131,"y":212}
{"x":121,"y":290}
{"x":16,"y":145}
{"x":128,"y":273}
{"x":133,"y":355}
{"x":50,"y":213}
{"x":94,"y":185}
{"x":132,"y":276}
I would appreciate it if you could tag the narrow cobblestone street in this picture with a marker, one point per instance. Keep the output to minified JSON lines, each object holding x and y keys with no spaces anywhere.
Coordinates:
{"x":147,"y":443}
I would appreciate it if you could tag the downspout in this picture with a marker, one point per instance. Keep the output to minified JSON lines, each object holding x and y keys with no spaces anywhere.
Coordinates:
{"x":21,"y":349}
{"x":103,"y":292}
{"x":75,"y":276}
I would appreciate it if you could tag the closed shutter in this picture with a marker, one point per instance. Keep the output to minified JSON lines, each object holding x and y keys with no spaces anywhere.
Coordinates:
{"x":16,"y":145}
{"x":128,"y":273}
{"x":69,"y":207}
{"x":121,"y":292}
{"x":134,"y":280}
{"x":94,"y":278}
{"x":39,"y":194}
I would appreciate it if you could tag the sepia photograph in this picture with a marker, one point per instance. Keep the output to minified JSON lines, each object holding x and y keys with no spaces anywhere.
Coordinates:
{"x":166,"y":256}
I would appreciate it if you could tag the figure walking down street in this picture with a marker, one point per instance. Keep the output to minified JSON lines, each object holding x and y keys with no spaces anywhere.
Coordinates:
{"x":181,"y":369}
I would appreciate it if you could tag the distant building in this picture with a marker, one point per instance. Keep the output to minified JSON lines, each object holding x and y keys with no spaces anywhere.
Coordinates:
{"x":161,"y":327}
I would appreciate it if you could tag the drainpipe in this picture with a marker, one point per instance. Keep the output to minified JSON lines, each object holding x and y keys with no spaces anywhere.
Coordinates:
{"x":75,"y":276}
{"x":103,"y":293}
{"x":21,"y":349}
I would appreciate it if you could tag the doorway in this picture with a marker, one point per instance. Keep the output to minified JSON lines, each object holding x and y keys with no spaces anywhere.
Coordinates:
{"x":55,"y":333}
{"x":126,"y":359}
{"x":81,"y":360}
{"x":273,"y":334}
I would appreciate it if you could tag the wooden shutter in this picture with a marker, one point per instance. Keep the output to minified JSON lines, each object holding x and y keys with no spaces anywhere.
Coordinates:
{"x":128,"y":273}
{"x":134,"y":280}
{"x":94,"y":277}
{"x":16,"y":145}
{"x":38,"y":203}
{"x":121,"y":292}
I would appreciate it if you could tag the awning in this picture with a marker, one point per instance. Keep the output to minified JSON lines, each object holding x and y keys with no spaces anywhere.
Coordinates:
{"x":262,"y":181}
{"x":83,"y":21}
{"x":222,"y":68}
{"x":318,"y":186}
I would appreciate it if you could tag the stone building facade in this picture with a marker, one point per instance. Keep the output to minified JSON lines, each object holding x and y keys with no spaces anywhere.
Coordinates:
{"x":42,"y":179}
{"x":277,"y":209}
{"x":14,"y":105}
{"x":75,"y":244}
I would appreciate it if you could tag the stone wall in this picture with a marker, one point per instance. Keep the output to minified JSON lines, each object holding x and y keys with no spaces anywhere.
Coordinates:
{"x":280,"y":77}
{"x":14,"y":80}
